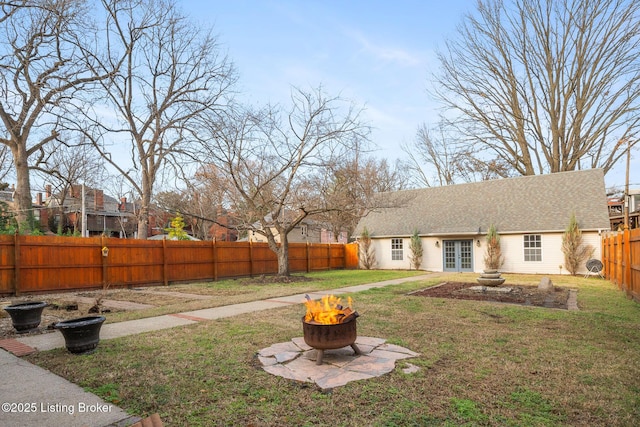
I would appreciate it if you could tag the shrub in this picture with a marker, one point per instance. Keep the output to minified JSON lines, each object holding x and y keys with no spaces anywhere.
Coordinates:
{"x":176,"y":228}
{"x":574,"y":250}
{"x":367,"y":254}
{"x":493,"y":258}
{"x":416,"y":250}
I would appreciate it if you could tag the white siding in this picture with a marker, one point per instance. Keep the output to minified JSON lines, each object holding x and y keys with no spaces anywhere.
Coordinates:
{"x":552,"y":256}
{"x":512,"y":248}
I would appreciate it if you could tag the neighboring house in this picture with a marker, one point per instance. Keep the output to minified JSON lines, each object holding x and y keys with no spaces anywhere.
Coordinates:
{"x":530,"y":213}
{"x":307,"y":231}
{"x":6,"y":206}
{"x":616,"y":210}
{"x":105,"y":215}
{"x":224,"y":229}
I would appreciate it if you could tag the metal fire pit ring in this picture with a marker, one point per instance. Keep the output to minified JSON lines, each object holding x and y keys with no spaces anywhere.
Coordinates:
{"x":330,"y":337}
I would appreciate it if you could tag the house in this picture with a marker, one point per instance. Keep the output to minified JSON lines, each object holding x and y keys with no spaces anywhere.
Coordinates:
{"x":105,"y":215}
{"x":530,"y":213}
{"x":308,"y":231}
{"x":616,"y":210}
{"x":225,"y":228}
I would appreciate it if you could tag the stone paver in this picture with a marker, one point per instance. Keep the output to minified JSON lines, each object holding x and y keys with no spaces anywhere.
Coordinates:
{"x":295,"y":360}
{"x":572,"y":301}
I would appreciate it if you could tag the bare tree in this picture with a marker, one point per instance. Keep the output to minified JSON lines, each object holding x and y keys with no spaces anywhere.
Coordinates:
{"x":349,"y":188}
{"x":5,"y":163}
{"x":430,"y":154}
{"x":545,"y":86}
{"x":174,"y":73}
{"x":438,"y":158}
{"x":43,"y":66}
{"x":269,"y":159}
{"x":68,"y":165}
{"x":207,"y":200}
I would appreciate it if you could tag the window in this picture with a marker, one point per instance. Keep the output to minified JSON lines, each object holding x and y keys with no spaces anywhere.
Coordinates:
{"x":396,"y":250}
{"x":532,"y":247}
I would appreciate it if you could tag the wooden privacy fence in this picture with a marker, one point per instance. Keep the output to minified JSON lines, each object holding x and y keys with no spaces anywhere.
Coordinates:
{"x":46,"y":263}
{"x":621,"y":259}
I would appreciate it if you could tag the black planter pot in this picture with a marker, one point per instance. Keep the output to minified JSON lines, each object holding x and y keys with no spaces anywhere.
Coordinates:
{"x":81,"y":335}
{"x":26,"y":316}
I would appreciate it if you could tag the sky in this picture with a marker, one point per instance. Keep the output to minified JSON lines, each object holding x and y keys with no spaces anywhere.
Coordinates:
{"x":379,"y":54}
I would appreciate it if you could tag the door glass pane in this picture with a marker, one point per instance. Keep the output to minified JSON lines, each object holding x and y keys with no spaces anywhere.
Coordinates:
{"x":449,"y":255}
{"x":465,"y":255}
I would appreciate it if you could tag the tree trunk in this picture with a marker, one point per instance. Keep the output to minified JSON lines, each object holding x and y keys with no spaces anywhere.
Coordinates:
{"x":22,"y":197}
{"x":281,"y":250}
{"x":283,"y":256}
{"x":145,"y":203}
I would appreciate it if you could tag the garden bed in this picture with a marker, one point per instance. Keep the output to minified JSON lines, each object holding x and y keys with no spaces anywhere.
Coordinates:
{"x":513,"y":294}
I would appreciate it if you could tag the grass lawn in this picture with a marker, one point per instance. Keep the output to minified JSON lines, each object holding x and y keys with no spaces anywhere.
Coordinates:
{"x":481,"y":364}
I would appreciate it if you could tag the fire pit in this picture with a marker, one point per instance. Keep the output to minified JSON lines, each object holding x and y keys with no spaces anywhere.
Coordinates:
{"x":328,"y":326}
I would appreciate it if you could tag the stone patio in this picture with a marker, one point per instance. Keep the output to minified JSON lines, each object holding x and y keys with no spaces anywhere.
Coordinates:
{"x":295,"y":360}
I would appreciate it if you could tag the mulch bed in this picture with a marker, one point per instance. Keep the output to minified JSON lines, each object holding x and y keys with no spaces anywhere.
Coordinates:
{"x":519,"y":294}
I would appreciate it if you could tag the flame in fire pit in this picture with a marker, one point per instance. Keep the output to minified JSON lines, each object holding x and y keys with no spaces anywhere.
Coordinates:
{"x":328,"y":311}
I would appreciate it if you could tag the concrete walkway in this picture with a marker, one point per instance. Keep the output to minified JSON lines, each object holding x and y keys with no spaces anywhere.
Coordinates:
{"x":54,"y":401}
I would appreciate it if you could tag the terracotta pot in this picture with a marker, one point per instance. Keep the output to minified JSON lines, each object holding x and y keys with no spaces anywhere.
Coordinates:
{"x":81,"y":335}
{"x":26,"y":315}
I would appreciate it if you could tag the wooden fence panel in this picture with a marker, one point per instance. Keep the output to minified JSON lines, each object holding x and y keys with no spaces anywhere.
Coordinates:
{"x":621,"y":259}
{"x":188,"y":260}
{"x":233,"y":259}
{"x":7,"y":264}
{"x":298,"y":257}
{"x":351,"y":255}
{"x":51,"y":263}
{"x":54,"y":263}
{"x":134,"y":262}
{"x":318,"y":257}
{"x":263,"y":260}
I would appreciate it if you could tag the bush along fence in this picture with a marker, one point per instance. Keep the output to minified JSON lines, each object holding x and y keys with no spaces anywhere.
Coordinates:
{"x":621,"y":259}
{"x":50,"y":263}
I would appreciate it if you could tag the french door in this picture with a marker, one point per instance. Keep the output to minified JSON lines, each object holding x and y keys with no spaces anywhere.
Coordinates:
{"x":458,"y":255}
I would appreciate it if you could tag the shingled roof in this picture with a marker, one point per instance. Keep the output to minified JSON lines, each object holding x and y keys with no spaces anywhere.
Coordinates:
{"x":538,"y":203}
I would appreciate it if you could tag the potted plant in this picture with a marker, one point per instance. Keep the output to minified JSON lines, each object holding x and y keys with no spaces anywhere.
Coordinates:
{"x":81,"y":335}
{"x":26,"y":316}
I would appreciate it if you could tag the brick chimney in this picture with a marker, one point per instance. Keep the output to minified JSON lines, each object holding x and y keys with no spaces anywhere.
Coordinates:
{"x":39,"y":199}
{"x":98,"y":200}
{"x":47,"y":189}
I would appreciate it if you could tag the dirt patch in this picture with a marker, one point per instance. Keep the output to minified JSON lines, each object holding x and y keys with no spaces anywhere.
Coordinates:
{"x":513,"y":294}
{"x":267,"y":280}
{"x":61,"y":306}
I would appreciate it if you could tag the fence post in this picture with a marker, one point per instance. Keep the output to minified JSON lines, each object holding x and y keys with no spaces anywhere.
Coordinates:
{"x":250,"y":258}
{"x":344,"y":256}
{"x":215,"y":260}
{"x":165,"y":279}
{"x":104,"y":257}
{"x":619,"y":260}
{"x":308,"y":248}
{"x":329,"y":255}
{"x":604,"y":244}
{"x":626,"y":255}
{"x":16,"y":270}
